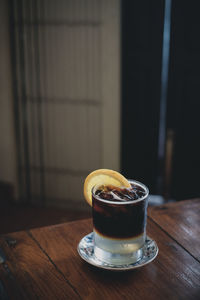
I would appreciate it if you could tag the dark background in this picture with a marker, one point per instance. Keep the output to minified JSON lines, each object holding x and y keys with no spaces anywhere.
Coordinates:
{"x":142,"y":36}
{"x":176,"y":176}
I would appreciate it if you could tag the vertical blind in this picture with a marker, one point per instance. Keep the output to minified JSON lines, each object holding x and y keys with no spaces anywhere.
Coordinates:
{"x":59,"y":95}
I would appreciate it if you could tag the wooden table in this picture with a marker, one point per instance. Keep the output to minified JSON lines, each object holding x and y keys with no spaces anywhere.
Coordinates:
{"x":43,"y":263}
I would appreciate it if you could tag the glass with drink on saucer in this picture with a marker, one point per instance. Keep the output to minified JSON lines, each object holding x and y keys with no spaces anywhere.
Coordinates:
{"x":119,"y":210}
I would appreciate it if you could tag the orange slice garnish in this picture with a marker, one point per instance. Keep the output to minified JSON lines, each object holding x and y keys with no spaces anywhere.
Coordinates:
{"x":103,"y":177}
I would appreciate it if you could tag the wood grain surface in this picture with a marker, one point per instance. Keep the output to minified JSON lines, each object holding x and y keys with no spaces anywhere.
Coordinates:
{"x":181,"y":220}
{"x":27,"y":273}
{"x":43,"y":263}
{"x":167,"y":277}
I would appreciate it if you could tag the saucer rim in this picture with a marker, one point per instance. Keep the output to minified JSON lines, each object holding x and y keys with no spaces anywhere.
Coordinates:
{"x":117,"y":267}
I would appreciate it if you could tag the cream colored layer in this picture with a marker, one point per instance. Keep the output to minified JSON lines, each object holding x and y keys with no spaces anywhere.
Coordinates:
{"x":117,"y":239}
{"x":121,"y":246}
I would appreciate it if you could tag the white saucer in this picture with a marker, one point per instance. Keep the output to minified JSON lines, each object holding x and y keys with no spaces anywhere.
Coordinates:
{"x":86,"y":251}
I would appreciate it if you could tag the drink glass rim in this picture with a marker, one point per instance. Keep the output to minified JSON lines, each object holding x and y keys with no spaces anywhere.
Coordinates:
{"x":125,"y":202}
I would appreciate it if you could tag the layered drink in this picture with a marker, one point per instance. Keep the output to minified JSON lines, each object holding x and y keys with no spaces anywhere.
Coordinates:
{"x":119,"y":222}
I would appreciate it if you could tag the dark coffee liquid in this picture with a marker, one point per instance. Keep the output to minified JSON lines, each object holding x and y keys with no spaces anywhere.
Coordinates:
{"x":121,"y":221}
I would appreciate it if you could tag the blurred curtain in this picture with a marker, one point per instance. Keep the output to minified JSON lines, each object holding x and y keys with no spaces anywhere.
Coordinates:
{"x":66,"y":59}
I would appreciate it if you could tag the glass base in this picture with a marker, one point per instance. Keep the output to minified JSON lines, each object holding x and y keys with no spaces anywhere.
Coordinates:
{"x":118,"y":251}
{"x":116,"y":258}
